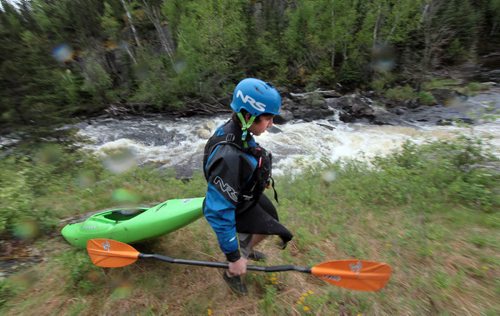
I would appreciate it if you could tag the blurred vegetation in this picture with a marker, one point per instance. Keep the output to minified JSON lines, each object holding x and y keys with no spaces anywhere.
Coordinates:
{"x":427,"y":178}
{"x":65,"y":58}
{"x":41,"y":184}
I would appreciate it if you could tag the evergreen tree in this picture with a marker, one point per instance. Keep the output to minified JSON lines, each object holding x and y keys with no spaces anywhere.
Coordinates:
{"x":210,"y":39}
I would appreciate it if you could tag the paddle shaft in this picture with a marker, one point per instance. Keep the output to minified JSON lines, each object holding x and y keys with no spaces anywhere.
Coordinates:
{"x":225,"y":265}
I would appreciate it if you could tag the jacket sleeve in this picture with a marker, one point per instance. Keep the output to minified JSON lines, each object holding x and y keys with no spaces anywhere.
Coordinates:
{"x":228,"y":170}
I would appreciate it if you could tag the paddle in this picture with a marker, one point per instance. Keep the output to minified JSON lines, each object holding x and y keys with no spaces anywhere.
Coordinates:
{"x":351,"y":274}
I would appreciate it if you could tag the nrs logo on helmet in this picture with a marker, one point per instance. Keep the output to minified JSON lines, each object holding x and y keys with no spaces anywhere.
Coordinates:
{"x":257,"y":97}
{"x":248,"y":99}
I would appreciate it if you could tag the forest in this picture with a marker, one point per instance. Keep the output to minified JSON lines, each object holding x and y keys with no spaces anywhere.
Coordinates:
{"x":65,"y":58}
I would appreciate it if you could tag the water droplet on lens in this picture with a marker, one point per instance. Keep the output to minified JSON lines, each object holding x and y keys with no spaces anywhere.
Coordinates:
{"x":122,"y":291}
{"x":62,"y":53}
{"x":125,"y":196}
{"x":26,"y":229}
{"x":329,"y":176}
{"x":85,"y":179}
{"x":120,"y":160}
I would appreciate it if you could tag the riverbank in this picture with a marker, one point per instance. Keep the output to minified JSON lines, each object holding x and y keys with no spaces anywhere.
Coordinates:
{"x":430,"y":212}
{"x":383,"y":107}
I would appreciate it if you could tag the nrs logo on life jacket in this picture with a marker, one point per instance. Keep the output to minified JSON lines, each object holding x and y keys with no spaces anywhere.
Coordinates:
{"x":248,"y":99}
{"x":233,"y":195}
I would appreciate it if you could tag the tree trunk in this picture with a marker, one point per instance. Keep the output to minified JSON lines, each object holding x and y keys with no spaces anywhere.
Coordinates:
{"x":377,"y":26}
{"x":129,"y":17}
{"x":436,"y":35}
{"x":396,"y":20}
{"x":153,"y":15}
{"x":493,"y":28}
{"x":332,"y":56}
{"x":129,"y":52}
{"x":427,"y":21}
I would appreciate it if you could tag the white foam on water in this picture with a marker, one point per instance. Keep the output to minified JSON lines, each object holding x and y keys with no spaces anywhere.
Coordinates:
{"x":7,"y":141}
{"x":310,"y":144}
{"x":299,"y":145}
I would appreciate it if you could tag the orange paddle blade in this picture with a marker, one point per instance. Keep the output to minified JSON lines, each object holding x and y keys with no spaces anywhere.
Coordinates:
{"x":108,"y":253}
{"x":354,"y":274}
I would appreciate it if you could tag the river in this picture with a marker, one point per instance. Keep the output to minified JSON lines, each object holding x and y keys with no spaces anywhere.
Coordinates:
{"x":178,"y":143}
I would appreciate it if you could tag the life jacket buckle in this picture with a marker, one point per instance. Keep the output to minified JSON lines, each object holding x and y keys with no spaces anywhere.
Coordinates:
{"x":247,"y":197}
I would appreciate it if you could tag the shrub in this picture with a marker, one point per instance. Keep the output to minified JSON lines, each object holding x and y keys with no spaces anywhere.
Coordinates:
{"x":426,"y":98}
{"x":438,"y":83}
{"x":400,"y":93}
{"x":16,"y":197}
{"x":430,"y":176}
{"x":29,"y":175}
{"x":6,"y":291}
{"x":84,"y":277}
{"x":438,"y":172}
{"x":474,"y":87}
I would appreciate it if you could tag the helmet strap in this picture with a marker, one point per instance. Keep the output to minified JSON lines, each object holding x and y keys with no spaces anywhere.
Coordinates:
{"x":245,"y":126}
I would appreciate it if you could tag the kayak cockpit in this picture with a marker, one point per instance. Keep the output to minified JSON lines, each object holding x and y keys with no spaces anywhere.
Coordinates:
{"x":123,"y":215}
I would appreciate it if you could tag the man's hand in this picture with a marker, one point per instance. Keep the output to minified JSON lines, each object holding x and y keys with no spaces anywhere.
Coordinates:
{"x":238,"y":267}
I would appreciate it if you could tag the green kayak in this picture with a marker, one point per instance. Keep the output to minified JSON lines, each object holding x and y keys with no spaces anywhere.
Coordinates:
{"x":135,"y":224}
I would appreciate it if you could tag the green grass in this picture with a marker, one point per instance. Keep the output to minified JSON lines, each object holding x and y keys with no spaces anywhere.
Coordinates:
{"x":430,"y":211}
{"x":471,"y":88}
{"x":441,"y":83}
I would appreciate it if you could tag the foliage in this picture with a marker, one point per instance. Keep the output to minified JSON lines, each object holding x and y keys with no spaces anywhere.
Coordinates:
{"x":400,"y":93}
{"x":210,"y":37}
{"x":6,"y":291}
{"x":440,"y":83}
{"x":12,"y":194}
{"x":84,"y":277}
{"x":155,"y":87}
{"x":433,"y":175}
{"x":426,"y":98}
{"x":32,"y":176}
{"x":26,"y":178}
{"x":475,"y":87}
{"x":164,"y":52}
{"x":97,"y":81}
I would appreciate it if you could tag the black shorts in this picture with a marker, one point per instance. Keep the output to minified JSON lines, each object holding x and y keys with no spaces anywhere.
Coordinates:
{"x":261,"y":217}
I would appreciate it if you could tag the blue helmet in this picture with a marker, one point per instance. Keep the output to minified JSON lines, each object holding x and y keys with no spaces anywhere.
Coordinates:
{"x":256,"y":97}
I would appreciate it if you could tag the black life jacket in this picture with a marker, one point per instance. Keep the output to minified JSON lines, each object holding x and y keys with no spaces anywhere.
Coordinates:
{"x":262,"y":176}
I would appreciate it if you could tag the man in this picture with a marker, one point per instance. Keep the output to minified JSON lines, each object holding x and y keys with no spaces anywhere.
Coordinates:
{"x":238,"y":170}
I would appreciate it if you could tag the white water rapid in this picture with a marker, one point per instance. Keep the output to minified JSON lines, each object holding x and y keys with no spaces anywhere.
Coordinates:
{"x":178,"y":143}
